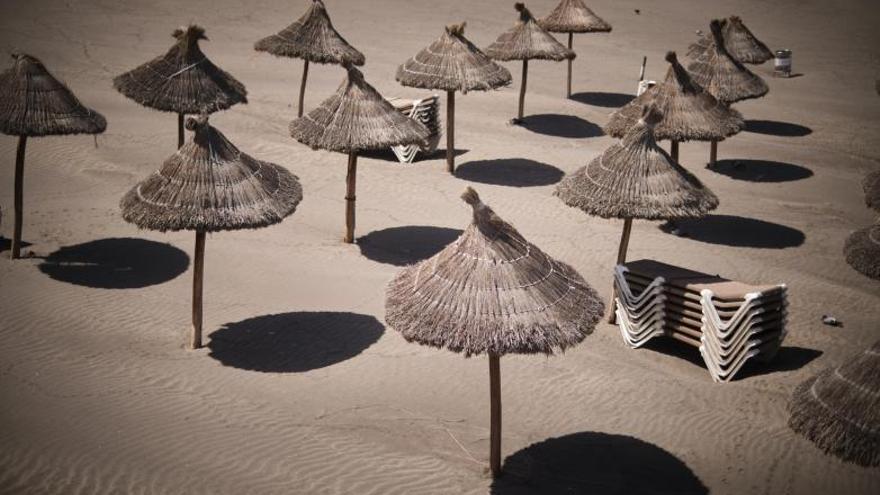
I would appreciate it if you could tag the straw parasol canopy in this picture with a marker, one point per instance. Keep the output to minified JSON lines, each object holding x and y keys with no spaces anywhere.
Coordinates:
{"x":689,"y":112}
{"x":635,"y":178}
{"x":493,"y":292}
{"x":862,"y":251}
{"x":572,"y":16}
{"x":527,"y":40}
{"x":34,"y":103}
{"x":724,"y":77}
{"x":314,"y":39}
{"x":208,"y":185}
{"x":871,"y":185}
{"x":183,"y":81}
{"x":356,"y":118}
{"x":739,"y":41}
{"x":452,"y":63}
{"x":839,"y":409}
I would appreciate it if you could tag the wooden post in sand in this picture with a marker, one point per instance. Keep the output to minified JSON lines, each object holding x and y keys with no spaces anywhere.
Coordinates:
{"x":350,"y":197}
{"x":302,"y":89}
{"x":450,"y":131}
{"x":522,"y":90}
{"x":673,"y":150}
{"x":495,"y":415}
{"x":198,"y":275}
{"x":621,"y":258}
{"x":713,"y":154}
{"x":179,"y":130}
{"x":568,"y":85}
{"x":15,"y":253}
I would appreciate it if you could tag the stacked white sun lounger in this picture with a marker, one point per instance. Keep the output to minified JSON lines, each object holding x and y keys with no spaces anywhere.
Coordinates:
{"x":426,"y":111}
{"x":729,"y":322}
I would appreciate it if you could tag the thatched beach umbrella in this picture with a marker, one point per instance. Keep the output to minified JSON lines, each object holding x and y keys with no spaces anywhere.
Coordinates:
{"x":739,"y":40}
{"x":356,"y":118}
{"x":314,"y":39}
{"x":182,"y":81}
{"x":208,"y":185}
{"x":689,"y":112}
{"x":871,"y":185}
{"x":524,"y":41}
{"x":32,"y":104}
{"x":862,"y":251}
{"x":452,"y":63}
{"x":492,"y":292}
{"x":724,"y":77}
{"x":572,"y":16}
{"x":635,"y":178}
{"x":839,"y":409}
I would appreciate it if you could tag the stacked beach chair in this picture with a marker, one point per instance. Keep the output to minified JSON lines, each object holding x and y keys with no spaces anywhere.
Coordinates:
{"x":426,"y":111}
{"x":729,"y":322}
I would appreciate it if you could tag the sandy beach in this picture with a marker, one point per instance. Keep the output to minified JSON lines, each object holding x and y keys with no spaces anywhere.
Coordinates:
{"x":301,"y":387}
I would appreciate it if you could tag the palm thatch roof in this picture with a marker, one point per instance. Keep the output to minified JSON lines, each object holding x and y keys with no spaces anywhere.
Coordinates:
{"x":527,"y":40}
{"x":689,"y":112}
{"x":312,"y":37}
{"x":183,"y":80}
{"x":453,"y":63}
{"x":635,"y":178}
{"x":208,"y":185}
{"x":871,"y":185}
{"x":34,"y":103}
{"x":572,"y":16}
{"x":862,"y":251}
{"x":739,"y":41}
{"x":356,"y":118}
{"x":724,"y":77}
{"x":491,"y":291}
{"x":839,"y":409}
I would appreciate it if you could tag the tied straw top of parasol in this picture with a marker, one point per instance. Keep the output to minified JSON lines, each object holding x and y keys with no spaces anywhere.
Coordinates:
{"x":839,"y":409}
{"x":208,"y":185}
{"x":689,"y":112}
{"x":491,"y":291}
{"x":356,"y":118}
{"x":635,"y":178}
{"x":572,"y":16}
{"x":871,"y":186}
{"x":34,"y":103}
{"x":724,"y":77}
{"x":312,"y":37}
{"x":739,"y":41}
{"x":183,"y":80}
{"x":862,"y":251}
{"x":453,"y":63}
{"x":527,"y":40}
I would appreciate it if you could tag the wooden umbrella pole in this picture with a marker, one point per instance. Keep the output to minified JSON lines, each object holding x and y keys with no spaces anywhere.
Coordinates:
{"x":179,"y":130}
{"x":350,"y":197}
{"x":673,"y":150}
{"x":713,"y":154}
{"x":450,"y":131}
{"x":495,"y":415}
{"x":302,"y":89}
{"x":621,"y":259}
{"x":568,"y":86}
{"x":19,"y":197}
{"x":198,"y":275}
{"x":522,"y":89}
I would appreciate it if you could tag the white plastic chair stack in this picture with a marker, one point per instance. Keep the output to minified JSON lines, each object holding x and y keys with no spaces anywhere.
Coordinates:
{"x":730,"y":322}
{"x":426,"y":111}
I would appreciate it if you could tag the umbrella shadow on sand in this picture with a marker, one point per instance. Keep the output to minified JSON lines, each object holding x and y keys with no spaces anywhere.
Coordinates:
{"x":514,"y":172}
{"x":403,"y":246}
{"x":736,"y":231}
{"x":602,"y":99}
{"x":116,"y":263}
{"x":294,"y":342}
{"x":761,"y":170}
{"x":567,"y":126}
{"x":595,"y":463}
{"x":776,"y":128}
